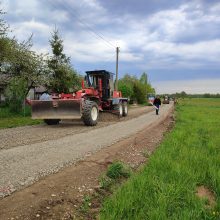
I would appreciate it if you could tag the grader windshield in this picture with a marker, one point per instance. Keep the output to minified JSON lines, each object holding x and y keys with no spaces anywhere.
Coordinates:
{"x":107,"y":81}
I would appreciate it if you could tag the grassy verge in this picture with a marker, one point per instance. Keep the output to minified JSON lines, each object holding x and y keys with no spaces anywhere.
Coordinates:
{"x":116,"y":173}
{"x":10,"y":120}
{"x":189,"y":157}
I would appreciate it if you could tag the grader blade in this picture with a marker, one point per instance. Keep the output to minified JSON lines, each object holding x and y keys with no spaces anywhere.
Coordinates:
{"x":56,"y":109}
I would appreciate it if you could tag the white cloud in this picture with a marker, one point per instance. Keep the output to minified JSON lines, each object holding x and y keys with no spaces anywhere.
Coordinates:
{"x":23,"y":8}
{"x":23,"y":30}
{"x":184,"y":37}
{"x":190,"y":55}
{"x":189,"y":86}
{"x":35,"y":26}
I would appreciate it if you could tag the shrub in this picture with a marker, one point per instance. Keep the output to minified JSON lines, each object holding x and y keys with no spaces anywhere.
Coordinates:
{"x":117,"y":170}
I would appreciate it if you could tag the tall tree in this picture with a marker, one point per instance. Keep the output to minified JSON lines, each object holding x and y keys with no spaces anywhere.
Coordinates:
{"x":144,"y":78}
{"x":26,"y":68}
{"x":147,"y":86}
{"x":63,"y":75}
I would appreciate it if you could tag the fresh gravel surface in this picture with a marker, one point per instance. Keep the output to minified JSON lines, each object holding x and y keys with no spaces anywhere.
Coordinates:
{"x":12,"y":137}
{"x":21,"y":166}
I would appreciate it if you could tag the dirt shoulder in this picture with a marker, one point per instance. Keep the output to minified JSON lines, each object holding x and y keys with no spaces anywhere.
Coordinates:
{"x":59,"y":196}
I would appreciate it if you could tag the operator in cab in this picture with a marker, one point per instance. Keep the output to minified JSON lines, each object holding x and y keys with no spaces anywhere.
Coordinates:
{"x":45,"y":96}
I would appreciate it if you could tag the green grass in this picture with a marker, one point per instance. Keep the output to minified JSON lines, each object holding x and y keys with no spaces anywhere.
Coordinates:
{"x":10,"y":120}
{"x":188,"y":157}
{"x":116,"y":171}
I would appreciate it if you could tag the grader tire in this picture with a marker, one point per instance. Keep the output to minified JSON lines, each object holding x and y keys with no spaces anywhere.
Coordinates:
{"x":124,"y":109}
{"x":90,"y":113}
{"x":119,"y":109}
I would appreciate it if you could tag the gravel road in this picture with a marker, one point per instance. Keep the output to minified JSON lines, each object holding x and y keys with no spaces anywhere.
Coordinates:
{"x":22,"y":165}
{"x":27,"y":135}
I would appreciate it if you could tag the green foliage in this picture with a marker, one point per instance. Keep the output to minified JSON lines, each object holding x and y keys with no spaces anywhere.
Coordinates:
{"x":63,"y":76}
{"x":126,"y":89}
{"x":140,"y":92}
{"x":117,"y":170}
{"x":144,"y":79}
{"x":105,"y":182}
{"x":185,"y":95}
{"x":15,"y":93}
{"x":146,"y":84}
{"x":25,"y":68}
{"x":134,"y":88}
{"x":187,"y":158}
{"x":86,"y":204}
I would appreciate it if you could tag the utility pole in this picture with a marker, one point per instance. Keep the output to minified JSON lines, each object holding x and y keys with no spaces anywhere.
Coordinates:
{"x":116,"y":81}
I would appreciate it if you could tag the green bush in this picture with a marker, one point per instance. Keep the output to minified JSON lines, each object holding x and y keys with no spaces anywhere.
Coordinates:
{"x":117,"y":170}
{"x":126,"y":89}
{"x":140,"y":92}
{"x":15,"y":94}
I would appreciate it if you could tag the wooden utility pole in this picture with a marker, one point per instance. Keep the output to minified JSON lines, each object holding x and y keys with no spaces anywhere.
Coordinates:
{"x":116,"y":81}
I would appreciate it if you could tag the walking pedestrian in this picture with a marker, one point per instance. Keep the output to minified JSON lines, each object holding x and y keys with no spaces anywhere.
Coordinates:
{"x":157,"y":103}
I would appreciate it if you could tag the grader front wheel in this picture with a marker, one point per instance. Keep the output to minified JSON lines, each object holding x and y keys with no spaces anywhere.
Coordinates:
{"x":90,"y":113}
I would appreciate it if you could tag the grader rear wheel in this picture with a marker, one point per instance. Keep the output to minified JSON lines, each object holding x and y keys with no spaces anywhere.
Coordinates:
{"x":119,"y":109}
{"x":125,"y":109}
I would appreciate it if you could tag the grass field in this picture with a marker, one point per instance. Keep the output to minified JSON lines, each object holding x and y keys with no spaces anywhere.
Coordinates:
{"x":10,"y":120}
{"x":189,"y":157}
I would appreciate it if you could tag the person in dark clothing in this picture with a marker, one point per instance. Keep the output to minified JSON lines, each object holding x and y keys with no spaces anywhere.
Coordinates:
{"x":157,"y":103}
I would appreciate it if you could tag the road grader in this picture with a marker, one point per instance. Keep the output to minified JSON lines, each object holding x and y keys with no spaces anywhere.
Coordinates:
{"x":98,"y":95}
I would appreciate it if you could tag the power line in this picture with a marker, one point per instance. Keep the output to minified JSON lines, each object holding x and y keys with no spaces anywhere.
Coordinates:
{"x":90,"y":29}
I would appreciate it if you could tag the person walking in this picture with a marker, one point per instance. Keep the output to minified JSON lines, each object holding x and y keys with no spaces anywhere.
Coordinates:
{"x":157,"y":103}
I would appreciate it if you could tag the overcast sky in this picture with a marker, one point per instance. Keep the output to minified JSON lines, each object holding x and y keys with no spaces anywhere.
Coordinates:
{"x":176,"y":42}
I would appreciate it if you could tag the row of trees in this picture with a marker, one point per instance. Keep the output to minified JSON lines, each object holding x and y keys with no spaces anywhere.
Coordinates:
{"x":28,"y":69}
{"x":134,"y":88}
{"x":185,"y":95}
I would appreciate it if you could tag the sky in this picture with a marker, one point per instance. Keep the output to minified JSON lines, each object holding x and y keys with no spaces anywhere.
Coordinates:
{"x":176,"y":42}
